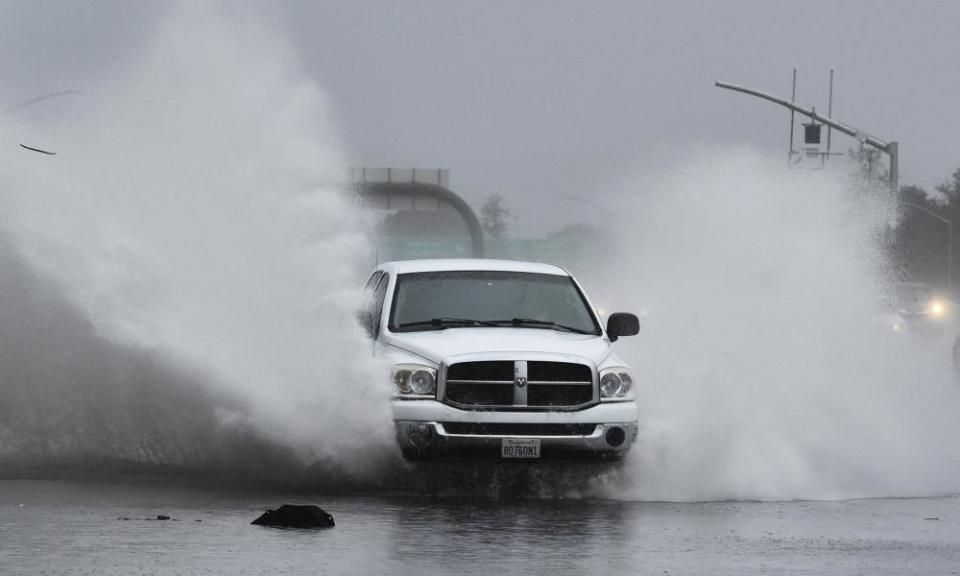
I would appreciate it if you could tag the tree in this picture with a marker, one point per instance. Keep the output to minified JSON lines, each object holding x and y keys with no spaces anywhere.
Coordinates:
{"x":494,"y":216}
{"x":951,"y":188}
{"x":577,"y":232}
{"x":919,"y":247}
{"x":920,"y":241}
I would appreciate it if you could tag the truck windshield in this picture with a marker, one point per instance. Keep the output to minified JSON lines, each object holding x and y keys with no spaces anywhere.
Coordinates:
{"x":438,"y":300}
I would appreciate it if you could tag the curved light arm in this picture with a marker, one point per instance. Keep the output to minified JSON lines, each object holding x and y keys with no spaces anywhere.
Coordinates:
{"x":946,"y":221}
{"x":859,"y":135}
{"x":37,"y":100}
{"x":31,"y":102}
{"x":585,"y":201}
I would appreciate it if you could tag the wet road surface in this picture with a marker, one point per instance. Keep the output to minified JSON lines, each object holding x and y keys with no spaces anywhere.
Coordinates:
{"x":60,"y":527}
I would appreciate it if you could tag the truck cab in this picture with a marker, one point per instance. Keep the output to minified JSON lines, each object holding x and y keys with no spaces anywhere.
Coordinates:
{"x":499,"y":359}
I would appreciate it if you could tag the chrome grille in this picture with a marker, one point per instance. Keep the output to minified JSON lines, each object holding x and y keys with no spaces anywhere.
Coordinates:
{"x":496,"y":370}
{"x":559,"y":384}
{"x":519,"y":385}
{"x":480,"y":383}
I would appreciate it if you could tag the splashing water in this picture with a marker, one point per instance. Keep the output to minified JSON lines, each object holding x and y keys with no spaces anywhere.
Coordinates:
{"x":766,"y":371}
{"x":192,"y":214}
{"x":175,"y":289}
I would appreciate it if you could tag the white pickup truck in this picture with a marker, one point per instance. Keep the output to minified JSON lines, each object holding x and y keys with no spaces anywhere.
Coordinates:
{"x":499,"y":359}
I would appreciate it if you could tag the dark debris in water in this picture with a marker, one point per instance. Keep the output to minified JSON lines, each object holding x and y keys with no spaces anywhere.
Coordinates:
{"x":292,"y":516}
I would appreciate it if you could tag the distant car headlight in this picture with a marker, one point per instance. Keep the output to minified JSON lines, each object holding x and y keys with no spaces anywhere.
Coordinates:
{"x":937,"y":308}
{"x":616,"y":383}
{"x":414,"y":380}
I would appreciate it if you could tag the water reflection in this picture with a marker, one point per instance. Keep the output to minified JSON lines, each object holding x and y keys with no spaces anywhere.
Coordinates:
{"x":464,"y":537}
{"x":497,"y":480}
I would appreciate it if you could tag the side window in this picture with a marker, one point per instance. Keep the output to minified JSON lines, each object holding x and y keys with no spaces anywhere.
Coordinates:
{"x":378,"y":299}
{"x":373,"y":280}
{"x":374,"y":291}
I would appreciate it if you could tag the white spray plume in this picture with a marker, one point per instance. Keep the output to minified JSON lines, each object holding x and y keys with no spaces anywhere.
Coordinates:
{"x":193,"y":207}
{"x":765,"y":369}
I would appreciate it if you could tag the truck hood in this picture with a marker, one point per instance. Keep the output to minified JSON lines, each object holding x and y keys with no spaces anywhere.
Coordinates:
{"x":436,"y":345}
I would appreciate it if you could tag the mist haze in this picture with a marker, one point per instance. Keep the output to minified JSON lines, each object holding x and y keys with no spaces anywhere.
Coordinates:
{"x":192,"y":216}
{"x":479,"y":88}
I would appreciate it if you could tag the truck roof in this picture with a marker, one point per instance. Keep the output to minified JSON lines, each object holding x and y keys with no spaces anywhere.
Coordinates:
{"x":452,"y":264}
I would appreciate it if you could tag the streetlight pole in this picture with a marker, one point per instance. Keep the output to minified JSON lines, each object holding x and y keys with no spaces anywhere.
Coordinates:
{"x":949,"y":224}
{"x":890,"y":148}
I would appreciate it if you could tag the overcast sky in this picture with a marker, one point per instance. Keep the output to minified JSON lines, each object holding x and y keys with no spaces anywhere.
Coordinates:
{"x":540,"y":100}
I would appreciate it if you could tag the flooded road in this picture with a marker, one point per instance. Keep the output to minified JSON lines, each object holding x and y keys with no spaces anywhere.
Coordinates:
{"x":59,"y":527}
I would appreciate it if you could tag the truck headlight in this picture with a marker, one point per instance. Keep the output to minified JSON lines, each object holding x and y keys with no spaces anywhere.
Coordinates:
{"x":414,"y":380}
{"x":616,"y":383}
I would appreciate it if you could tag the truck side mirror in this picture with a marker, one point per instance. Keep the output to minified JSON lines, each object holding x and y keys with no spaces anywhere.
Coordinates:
{"x":622,"y":324}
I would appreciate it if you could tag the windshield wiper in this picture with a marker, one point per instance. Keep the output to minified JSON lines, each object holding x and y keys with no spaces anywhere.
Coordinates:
{"x":533,"y":322}
{"x":441,"y":323}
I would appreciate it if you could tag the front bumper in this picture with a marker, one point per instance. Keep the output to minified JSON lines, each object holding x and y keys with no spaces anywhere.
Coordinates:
{"x":427,"y":429}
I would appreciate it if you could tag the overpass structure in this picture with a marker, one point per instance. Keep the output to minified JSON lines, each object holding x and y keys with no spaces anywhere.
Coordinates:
{"x":415,"y":190}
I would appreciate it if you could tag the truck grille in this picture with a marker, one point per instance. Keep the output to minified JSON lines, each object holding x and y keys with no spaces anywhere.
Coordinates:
{"x":495,"y":384}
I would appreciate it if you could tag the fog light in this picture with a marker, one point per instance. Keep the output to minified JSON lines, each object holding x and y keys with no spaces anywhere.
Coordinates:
{"x":420,"y":435}
{"x":615,"y":437}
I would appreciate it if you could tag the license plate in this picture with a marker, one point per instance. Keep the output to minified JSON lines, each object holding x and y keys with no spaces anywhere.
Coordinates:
{"x":520,"y":448}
